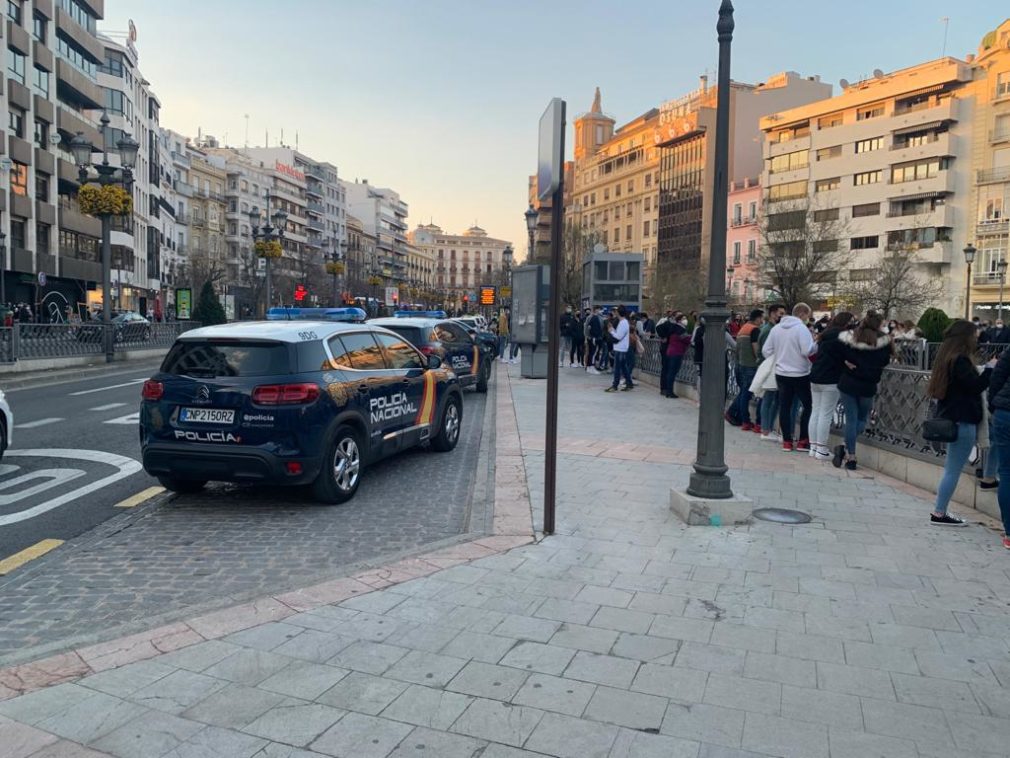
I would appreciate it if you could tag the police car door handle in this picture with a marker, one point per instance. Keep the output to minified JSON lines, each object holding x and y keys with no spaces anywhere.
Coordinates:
{"x":363,"y":388}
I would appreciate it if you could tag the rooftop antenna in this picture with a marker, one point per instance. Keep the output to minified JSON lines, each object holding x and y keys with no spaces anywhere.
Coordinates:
{"x":282,"y":136}
{"x":247,"y":130}
{"x":946,"y":26}
{"x":266,"y":142}
{"x":296,"y":140}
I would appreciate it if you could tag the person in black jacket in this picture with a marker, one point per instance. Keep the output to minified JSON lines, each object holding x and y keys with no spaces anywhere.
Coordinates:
{"x":958,"y":386}
{"x":999,"y":404}
{"x":824,"y":375}
{"x":867,"y":352}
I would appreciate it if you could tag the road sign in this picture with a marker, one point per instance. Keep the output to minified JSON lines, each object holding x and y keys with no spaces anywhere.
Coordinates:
{"x":549,"y":157}
{"x":487,"y":295}
{"x":506,"y":293}
{"x":42,"y":278}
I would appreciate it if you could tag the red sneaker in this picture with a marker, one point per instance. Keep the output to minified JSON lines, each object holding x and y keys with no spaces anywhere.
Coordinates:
{"x":1006,"y":542}
{"x":787,"y":446}
{"x":803,"y":445}
{"x":746,"y":427}
{"x":756,"y":429}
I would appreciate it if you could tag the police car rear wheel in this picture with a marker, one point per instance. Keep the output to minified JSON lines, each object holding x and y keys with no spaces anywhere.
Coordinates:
{"x":485,"y":372}
{"x":182,"y":486}
{"x":338,"y":481}
{"x":448,"y":433}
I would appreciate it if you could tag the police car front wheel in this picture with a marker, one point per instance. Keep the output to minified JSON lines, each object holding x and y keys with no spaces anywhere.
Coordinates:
{"x":338,"y":480}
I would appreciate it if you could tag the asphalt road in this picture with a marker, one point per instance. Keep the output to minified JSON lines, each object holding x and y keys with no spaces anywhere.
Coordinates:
{"x":75,"y":455}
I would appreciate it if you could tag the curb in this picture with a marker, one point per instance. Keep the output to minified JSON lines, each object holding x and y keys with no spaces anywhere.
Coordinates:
{"x":511,"y":526}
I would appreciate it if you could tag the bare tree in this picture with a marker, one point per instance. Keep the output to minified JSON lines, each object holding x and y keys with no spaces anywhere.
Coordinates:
{"x":802,"y":249}
{"x":200,"y":267}
{"x":576,"y":245}
{"x":895,"y":286}
{"x":678,"y":289}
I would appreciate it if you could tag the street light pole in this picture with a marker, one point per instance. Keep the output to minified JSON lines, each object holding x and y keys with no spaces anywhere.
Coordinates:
{"x":1001,"y":269}
{"x":969,"y":258}
{"x":531,"y":226}
{"x":709,"y":478}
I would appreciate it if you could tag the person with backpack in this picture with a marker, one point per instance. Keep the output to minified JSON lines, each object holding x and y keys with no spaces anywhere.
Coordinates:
{"x":868,"y":351}
{"x":824,"y":376}
{"x":958,"y":387}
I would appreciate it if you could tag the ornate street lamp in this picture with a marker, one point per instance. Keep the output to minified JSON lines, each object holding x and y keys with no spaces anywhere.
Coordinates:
{"x":531,"y":226}
{"x":268,"y":240}
{"x":1001,"y":270}
{"x":107,"y":203}
{"x":969,"y":258}
{"x":506,"y":262}
{"x":335,"y":266}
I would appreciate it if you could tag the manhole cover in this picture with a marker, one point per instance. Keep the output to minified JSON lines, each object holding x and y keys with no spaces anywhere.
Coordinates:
{"x":782,"y":516}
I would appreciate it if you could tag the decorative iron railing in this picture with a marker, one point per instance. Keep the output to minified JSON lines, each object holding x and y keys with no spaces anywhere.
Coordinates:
{"x":40,"y":341}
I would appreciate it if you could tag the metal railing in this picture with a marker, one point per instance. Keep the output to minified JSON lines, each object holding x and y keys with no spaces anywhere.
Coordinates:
{"x":40,"y":341}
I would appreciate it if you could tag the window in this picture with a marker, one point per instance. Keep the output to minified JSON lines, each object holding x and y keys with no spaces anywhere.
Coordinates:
{"x":645,"y":229}
{"x":737,"y":213}
{"x":42,"y":237}
{"x":867,"y":177}
{"x":1003,"y":84}
{"x":40,"y":81}
{"x":787,"y":191}
{"x":41,"y":187}
{"x":991,"y":204}
{"x":617,"y":212}
{"x":399,"y":354}
{"x":205,"y":360}
{"x":16,"y":65}
{"x":826,"y":185}
{"x":874,"y":111}
{"x":751,"y":251}
{"x":648,"y":180}
{"x":617,"y":190}
{"x":14,"y":11}
{"x":16,"y":122}
{"x":825,"y":246}
{"x":39,"y":27}
{"x":737,"y":247}
{"x":916,"y":238}
{"x":916,"y":139}
{"x":752,"y":210}
{"x":617,"y":235}
{"x":606,"y":193}
{"x":789,"y":161}
{"x":864,"y":243}
{"x":910,"y":172}
{"x":829,"y":214}
{"x":19,"y":179}
{"x":826,"y":122}
{"x":867,"y":145}
{"x":631,"y":185}
{"x":42,"y":134}
{"x":19,"y":232}
{"x":827,"y":153}
{"x":79,"y":14}
{"x":627,"y":233}
{"x":113,"y":65}
{"x":777,"y":222}
{"x":73,"y":55}
{"x":648,"y":203}
{"x":866,"y":209}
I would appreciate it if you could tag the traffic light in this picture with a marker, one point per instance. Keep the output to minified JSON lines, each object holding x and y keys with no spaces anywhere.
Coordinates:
{"x":466,"y":298}
{"x":300,"y":293}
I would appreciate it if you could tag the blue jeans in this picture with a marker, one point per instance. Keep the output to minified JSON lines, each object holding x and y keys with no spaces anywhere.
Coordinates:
{"x":668,"y":378}
{"x":741,"y":406}
{"x":992,"y":455}
{"x":1001,"y":439}
{"x":769,"y":410}
{"x":857,"y":413}
{"x":622,"y":368}
{"x":958,"y":453}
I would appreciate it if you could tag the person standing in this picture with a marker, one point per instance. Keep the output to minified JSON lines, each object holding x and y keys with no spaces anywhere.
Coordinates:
{"x":622,"y":342}
{"x":824,"y":376}
{"x":578,"y":341}
{"x":790,"y":344}
{"x":769,"y":412}
{"x":868,"y":351}
{"x":746,"y":368}
{"x":999,"y":402}
{"x":957,"y":385}
{"x":674,"y":348}
{"x":594,"y":339}
{"x":566,"y":334}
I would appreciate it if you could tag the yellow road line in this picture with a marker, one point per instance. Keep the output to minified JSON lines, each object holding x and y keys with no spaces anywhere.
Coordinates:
{"x":141,"y":497}
{"x":37,"y":550}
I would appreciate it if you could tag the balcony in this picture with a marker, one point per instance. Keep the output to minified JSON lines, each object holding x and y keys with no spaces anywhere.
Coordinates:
{"x":999,"y":135}
{"x":70,"y":123}
{"x":82,"y":89}
{"x":987,"y":278}
{"x":315,"y":172}
{"x":314,"y":188}
{"x":993,"y":175}
{"x":84,"y":39}
{"x":184,"y":188}
{"x":316,"y":207}
{"x":197,"y":219}
{"x":316,"y":225}
{"x":996,"y":226}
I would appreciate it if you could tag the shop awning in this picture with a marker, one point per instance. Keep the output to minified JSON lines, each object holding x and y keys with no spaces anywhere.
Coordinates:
{"x":922,"y":127}
{"x":918,"y":196}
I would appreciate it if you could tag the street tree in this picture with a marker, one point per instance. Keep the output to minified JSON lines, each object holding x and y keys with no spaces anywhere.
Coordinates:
{"x":896,"y":286}
{"x":576,"y":246}
{"x":209,"y":310}
{"x":802,"y":250}
{"x":201,"y":267}
{"x":678,"y":290}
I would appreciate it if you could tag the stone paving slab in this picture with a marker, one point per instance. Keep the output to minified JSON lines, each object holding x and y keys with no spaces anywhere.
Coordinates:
{"x":625,"y":635}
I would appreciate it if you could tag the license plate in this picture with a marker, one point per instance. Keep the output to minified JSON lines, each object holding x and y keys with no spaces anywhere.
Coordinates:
{"x":206,"y":416}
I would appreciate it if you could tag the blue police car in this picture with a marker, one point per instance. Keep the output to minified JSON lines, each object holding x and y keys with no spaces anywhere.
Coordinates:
{"x":292,"y":402}
{"x":435,"y":334}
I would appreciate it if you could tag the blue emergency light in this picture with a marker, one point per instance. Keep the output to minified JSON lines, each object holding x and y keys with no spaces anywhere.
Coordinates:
{"x":352,"y":315}
{"x":419,"y":314}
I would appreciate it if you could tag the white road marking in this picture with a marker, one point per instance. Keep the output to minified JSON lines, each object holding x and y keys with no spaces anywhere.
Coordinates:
{"x":102,"y":389}
{"x":53,"y":478}
{"x":40,"y":422}
{"x":108,"y":407}
{"x":124,"y":467}
{"x":133,"y":418}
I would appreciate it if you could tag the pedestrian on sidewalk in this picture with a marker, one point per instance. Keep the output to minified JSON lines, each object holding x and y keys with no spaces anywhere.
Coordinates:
{"x":957,"y":384}
{"x":622,"y":342}
{"x":768,"y":415}
{"x":791,"y":345}
{"x":746,"y":367}
{"x":566,"y":334}
{"x":868,"y":351}
{"x":575,"y":355}
{"x":824,"y":376}
{"x":673,"y":350}
{"x":999,"y":403}
{"x":636,"y":345}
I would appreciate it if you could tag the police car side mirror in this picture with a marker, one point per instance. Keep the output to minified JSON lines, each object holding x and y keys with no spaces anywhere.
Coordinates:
{"x":434,"y":362}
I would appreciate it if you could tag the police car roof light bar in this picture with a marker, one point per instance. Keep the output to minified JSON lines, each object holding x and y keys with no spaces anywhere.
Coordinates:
{"x":419,"y":314}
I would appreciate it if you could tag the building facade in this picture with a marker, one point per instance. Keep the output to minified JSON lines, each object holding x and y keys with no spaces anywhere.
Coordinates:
{"x":383,"y":215}
{"x":743,"y":238}
{"x":361,"y":257}
{"x":207,"y":250}
{"x":887,"y":164}
{"x":462,"y":262}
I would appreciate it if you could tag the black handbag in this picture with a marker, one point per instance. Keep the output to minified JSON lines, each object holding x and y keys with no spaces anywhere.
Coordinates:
{"x":939,"y":430}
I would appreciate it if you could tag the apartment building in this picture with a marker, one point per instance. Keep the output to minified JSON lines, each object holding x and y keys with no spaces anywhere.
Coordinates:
{"x":887,"y":163}
{"x":743,"y":238}
{"x":361,"y":258}
{"x":462,"y":262}
{"x":207,"y":205}
{"x":383,"y":215}
{"x":176,"y":187}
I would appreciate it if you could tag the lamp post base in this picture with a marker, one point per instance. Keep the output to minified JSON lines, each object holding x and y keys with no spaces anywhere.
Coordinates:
{"x":703,"y":511}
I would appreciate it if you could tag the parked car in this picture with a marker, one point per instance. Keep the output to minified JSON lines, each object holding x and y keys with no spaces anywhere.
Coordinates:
{"x":127,"y":326}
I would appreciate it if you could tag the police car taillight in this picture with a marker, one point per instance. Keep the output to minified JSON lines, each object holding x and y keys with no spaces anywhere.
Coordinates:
{"x":152,"y":390}
{"x":285,"y":394}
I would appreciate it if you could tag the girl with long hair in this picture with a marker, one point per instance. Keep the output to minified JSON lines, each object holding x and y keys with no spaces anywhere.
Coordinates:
{"x":824,"y":376}
{"x":868,"y":350}
{"x":957,"y":386}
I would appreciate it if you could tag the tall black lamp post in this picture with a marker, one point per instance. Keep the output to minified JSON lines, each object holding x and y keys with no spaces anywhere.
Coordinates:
{"x":336,"y":266}
{"x":1001,"y":270}
{"x":268,"y":233}
{"x":506,"y":264}
{"x":531,"y":226}
{"x":709,"y":478}
{"x":969,"y":258}
{"x":106,"y":175}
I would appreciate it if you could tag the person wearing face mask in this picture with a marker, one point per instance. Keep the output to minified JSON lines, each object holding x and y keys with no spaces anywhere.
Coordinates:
{"x":675,"y":346}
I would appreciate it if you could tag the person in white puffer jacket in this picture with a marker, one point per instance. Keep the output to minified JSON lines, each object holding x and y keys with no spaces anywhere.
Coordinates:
{"x":790,"y":345}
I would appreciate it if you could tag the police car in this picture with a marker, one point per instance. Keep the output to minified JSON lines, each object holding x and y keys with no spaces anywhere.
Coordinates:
{"x":292,"y":402}
{"x":434,"y":334}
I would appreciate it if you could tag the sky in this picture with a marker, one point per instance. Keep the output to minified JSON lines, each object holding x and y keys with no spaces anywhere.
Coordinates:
{"x":440,"y":99}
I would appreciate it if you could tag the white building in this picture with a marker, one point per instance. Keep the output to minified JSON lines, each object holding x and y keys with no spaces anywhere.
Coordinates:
{"x":383,"y":215}
{"x":462,"y":262}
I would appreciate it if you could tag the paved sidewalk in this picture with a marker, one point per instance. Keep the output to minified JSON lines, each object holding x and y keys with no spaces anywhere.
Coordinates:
{"x":865,"y":634}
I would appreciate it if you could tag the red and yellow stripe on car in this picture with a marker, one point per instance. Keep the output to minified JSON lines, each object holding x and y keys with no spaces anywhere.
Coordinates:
{"x":476,"y":360}
{"x":427,"y":411}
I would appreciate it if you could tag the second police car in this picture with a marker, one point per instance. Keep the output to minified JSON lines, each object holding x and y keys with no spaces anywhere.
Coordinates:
{"x":292,"y":402}
{"x":434,"y":334}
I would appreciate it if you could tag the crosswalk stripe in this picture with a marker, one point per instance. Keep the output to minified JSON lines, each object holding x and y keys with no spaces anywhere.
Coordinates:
{"x":40,"y":422}
{"x":108,"y":407}
{"x":141,"y":497}
{"x":19,"y":559}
